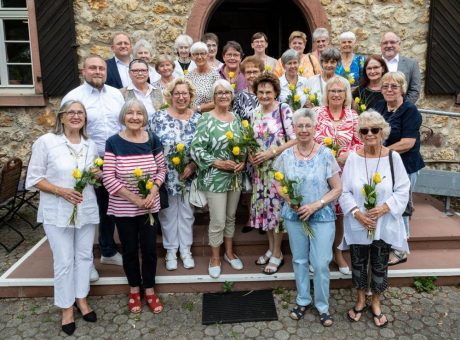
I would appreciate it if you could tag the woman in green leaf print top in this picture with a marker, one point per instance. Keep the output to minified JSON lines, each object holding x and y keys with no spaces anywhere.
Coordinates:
{"x":220,"y":160}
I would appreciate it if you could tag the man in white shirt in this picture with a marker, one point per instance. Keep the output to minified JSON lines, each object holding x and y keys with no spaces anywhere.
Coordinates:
{"x":103,"y":104}
{"x":390,"y":45}
{"x":117,"y":67}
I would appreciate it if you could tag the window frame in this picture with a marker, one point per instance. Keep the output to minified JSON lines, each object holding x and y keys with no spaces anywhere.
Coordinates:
{"x":21,"y":95}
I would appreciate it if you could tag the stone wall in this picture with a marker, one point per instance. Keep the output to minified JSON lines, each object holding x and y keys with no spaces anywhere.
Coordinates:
{"x":161,"y":21}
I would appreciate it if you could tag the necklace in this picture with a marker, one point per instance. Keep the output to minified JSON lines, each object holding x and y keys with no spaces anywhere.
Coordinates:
{"x":376,"y":168}
{"x":301,"y":154}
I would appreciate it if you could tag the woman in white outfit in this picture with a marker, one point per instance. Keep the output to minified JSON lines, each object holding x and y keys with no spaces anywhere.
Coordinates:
{"x":55,"y":156}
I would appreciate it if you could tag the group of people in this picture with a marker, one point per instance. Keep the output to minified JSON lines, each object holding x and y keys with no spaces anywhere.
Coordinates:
{"x":134,"y":142}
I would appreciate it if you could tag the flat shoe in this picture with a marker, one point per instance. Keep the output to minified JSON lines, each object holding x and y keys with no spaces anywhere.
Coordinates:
{"x":345,"y":270}
{"x":134,"y":303}
{"x":397,"y":258}
{"x":88,"y":317}
{"x":153,"y":301}
{"x":274,"y":264}
{"x":214,"y":272}
{"x":360,"y":312}
{"x":378,"y":317}
{"x":264,"y":258}
{"x":299,"y":311}
{"x":324,"y":318}
{"x":68,"y":328}
{"x":235,"y":263}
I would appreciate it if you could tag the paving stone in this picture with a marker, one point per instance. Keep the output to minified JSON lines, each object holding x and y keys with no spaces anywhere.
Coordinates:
{"x":281,"y":335}
{"x":251,"y":332}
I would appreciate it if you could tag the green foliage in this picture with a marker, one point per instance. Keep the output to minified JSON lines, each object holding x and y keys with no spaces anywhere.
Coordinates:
{"x":188,"y":306}
{"x":425,"y":284}
{"x":228,"y":286}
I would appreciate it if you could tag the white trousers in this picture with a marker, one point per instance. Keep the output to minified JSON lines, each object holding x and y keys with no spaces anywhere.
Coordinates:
{"x":73,"y":257}
{"x":177,"y":224}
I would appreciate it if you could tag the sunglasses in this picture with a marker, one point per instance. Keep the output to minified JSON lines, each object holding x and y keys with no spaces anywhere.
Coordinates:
{"x":365,"y":131}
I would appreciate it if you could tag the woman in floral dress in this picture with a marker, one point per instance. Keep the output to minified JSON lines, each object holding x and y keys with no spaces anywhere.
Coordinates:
{"x":272,"y":123}
{"x":336,"y":128}
{"x":176,"y":125}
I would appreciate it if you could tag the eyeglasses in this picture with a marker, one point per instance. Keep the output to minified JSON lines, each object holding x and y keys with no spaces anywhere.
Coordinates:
{"x":223,"y":93}
{"x":179,"y":94}
{"x":199,"y":54}
{"x":390,"y":87}
{"x":232,"y":55}
{"x":373,"y":68}
{"x":75,"y":113}
{"x":365,"y":131}
{"x":252,"y":72}
{"x":139,"y":71}
{"x":337,"y":91}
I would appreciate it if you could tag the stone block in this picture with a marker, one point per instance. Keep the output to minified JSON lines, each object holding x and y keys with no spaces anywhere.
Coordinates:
{"x":6,"y":120}
{"x":444,"y":155}
{"x":161,"y":8}
{"x":97,"y":4}
{"x":405,"y":15}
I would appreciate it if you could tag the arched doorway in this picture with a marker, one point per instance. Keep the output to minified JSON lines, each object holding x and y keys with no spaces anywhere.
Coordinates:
{"x":239,"y":19}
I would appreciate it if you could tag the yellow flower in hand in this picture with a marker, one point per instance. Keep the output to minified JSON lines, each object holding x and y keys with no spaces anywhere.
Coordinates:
{"x":306,"y":90}
{"x":231,"y":74}
{"x":301,"y":70}
{"x":357,"y":100}
{"x":180,"y":147}
{"x":245,"y":123}
{"x":98,"y":162}
{"x":137,"y":172}
{"x":334,"y":153}
{"x":233,"y":86}
{"x":327,"y":141}
{"x":296,"y":98}
{"x":312,"y":97}
{"x":236,"y":150}
{"x":76,"y":173}
{"x":268,"y":68}
{"x":279,"y":176}
{"x":175,"y":160}
{"x":292,"y":87}
{"x":377,"y":178}
{"x":229,"y":135}
{"x":363,"y":107}
{"x":149,"y":185}
{"x":284,"y":189}
{"x":347,"y":69}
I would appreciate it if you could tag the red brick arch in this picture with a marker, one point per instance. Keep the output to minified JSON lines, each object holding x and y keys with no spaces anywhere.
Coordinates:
{"x":312,"y":10}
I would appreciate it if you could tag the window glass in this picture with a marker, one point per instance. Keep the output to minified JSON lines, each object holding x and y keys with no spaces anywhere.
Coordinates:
{"x":17,"y":30}
{"x":20,"y":75}
{"x":18,"y":53}
{"x":13,"y":3}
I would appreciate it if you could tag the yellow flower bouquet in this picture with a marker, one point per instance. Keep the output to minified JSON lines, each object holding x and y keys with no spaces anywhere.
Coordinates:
{"x":370,"y":194}
{"x":144,"y":184}
{"x":360,"y":105}
{"x":235,"y":149}
{"x":329,"y":142}
{"x":293,"y":99}
{"x":312,"y":97}
{"x":177,"y":159}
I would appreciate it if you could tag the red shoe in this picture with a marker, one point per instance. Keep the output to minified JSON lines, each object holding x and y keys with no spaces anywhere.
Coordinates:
{"x":153,"y":301}
{"x":134,"y":303}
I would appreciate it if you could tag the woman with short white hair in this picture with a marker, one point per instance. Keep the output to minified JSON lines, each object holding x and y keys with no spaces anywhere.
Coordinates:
{"x":143,"y":50}
{"x":352,"y":65}
{"x":320,"y":41}
{"x":184,"y":64}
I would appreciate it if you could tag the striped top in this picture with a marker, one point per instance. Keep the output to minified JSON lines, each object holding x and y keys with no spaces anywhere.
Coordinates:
{"x":121,"y":158}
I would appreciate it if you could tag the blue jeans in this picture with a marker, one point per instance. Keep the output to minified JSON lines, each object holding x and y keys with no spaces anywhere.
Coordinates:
{"x":413,"y":179}
{"x":106,"y":224}
{"x":317,"y":252}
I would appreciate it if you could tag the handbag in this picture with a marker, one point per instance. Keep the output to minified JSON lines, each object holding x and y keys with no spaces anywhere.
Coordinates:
{"x":197,"y":197}
{"x":162,"y":192}
{"x":409,"y":208}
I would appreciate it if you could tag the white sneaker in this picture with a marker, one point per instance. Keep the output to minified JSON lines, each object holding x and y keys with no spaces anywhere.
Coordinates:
{"x":116,"y":259}
{"x":171,"y":260}
{"x":188,"y":260}
{"x":94,"y":276}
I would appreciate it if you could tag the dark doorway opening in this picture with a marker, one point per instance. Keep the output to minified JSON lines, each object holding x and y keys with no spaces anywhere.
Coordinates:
{"x":240,"y":19}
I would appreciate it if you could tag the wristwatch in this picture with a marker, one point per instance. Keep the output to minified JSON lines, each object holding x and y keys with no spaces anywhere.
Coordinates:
{"x":274,"y":151}
{"x":323,"y":203}
{"x":198,"y":108}
{"x":354,"y":211}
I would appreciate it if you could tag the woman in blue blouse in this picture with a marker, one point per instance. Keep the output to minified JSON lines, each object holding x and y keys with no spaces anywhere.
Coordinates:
{"x":352,"y":65}
{"x":317,"y":174}
{"x":173,"y":126}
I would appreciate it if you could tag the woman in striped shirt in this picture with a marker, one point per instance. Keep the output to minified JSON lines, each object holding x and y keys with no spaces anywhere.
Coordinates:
{"x":135,"y":151}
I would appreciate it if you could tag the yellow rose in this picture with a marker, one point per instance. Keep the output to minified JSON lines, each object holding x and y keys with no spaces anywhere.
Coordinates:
{"x":363,"y":191}
{"x":231,"y":74}
{"x":180,"y":147}
{"x":363,"y":107}
{"x":245,"y":123}
{"x":377,"y":178}
{"x":98,"y":162}
{"x":137,"y":172}
{"x":236,"y":150}
{"x":327,"y":141}
{"x":229,"y":135}
{"x":296,"y":98}
{"x":300,"y":70}
{"x":268,"y":68}
{"x":149,"y":185}
{"x":233,"y":85}
{"x":76,"y":173}
{"x":312,"y":97}
{"x":175,"y":160}
{"x":279,"y":176}
{"x":284,"y":189}
{"x":306,"y":90}
{"x":351,"y":81}
{"x":357,"y":100}
{"x":347,"y":69}
{"x":292,"y":87}
{"x":334,"y":153}
{"x":185,"y":72}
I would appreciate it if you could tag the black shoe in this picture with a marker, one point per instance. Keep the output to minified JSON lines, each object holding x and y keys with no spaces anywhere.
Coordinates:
{"x":68,"y":328}
{"x":89,"y":317}
{"x":246,"y":229}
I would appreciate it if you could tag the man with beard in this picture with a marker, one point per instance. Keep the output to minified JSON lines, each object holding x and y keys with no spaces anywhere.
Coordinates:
{"x":118,"y":66}
{"x":390,"y":45}
{"x":103,"y":105}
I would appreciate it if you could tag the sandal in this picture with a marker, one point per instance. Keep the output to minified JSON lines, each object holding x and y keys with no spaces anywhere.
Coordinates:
{"x":397,"y":257}
{"x":134,"y":303}
{"x":274,"y":264}
{"x":326,"y":320}
{"x":264,"y":258}
{"x":153,"y":301}
{"x":356,"y":311}
{"x":299,"y":311}
{"x":379,"y":317}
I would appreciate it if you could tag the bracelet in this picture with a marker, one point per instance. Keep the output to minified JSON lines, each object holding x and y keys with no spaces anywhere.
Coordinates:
{"x":198,"y":108}
{"x":323,"y":203}
{"x":157,"y":185}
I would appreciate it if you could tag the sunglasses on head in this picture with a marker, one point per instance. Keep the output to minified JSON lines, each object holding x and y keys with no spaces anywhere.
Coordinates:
{"x":365,"y":131}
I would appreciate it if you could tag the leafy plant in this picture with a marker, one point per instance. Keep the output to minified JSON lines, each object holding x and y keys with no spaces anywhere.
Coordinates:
{"x":188,"y":306}
{"x":425,"y":284}
{"x":228,"y":286}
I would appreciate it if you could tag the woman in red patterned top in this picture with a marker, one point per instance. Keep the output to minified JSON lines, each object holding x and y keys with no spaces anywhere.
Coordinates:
{"x":134,"y":149}
{"x":336,"y":128}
